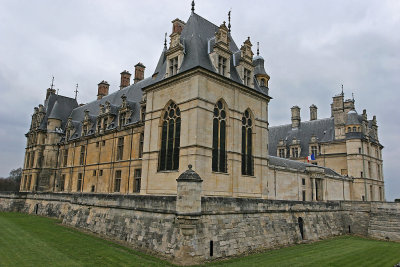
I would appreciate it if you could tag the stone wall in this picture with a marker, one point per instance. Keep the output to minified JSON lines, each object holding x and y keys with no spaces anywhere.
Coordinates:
{"x":225,"y":227}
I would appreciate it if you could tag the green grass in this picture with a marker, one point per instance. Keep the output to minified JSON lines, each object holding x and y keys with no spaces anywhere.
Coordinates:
{"x":339,"y":251}
{"x":27,"y":240}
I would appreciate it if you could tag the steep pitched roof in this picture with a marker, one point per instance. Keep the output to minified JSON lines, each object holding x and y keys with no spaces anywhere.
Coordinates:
{"x":58,"y":107}
{"x":323,"y":129}
{"x":195,"y":38}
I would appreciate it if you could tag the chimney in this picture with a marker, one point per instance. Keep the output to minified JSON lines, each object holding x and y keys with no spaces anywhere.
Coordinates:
{"x":313,"y":112}
{"x":139,"y":72}
{"x":125,"y":79}
{"x":295,"y":117}
{"x":177,"y":26}
{"x":102,"y":89}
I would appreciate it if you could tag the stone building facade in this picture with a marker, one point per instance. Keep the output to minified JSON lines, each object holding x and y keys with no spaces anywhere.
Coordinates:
{"x":205,"y":105}
{"x":346,"y":142}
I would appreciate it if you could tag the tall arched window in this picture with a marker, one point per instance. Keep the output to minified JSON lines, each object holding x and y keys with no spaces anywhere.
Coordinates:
{"x":170,"y":138}
{"x":247,"y":144}
{"x":219,"y":138}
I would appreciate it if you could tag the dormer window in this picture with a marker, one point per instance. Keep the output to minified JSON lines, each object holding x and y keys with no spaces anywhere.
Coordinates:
{"x":121,"y":119}
{"x":246,"y":77}
{"x":281,"y":152}
{"x":221,"y":65}
{"x":173,"y":66}
{"x":262,"y":82}
{"x":314,"y":150}
{"x":104,"y":124}
{"x":295,"y":152}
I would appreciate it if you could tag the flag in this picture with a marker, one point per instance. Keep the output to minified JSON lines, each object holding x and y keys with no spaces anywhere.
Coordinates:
{"x":309,"y":158}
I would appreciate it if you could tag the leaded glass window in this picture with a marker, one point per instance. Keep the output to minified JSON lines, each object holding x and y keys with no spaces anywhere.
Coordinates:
{"x":170,"y":138}
{"x":219,"y":139}
{"x":247,"y":144}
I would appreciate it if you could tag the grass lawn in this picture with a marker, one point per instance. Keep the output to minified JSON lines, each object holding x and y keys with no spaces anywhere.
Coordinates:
{"x":339,"y":251}
{"x":27,"y":240}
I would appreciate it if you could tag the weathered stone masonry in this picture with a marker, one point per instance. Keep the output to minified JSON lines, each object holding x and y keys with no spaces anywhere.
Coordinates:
{"x":231,"y":226}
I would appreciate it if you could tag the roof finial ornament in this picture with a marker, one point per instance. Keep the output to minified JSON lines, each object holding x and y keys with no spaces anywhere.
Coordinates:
{"x":76,"y":91}
{"x":193,"y":6}
{"x":165,"y":41}
{"x":258,"y":48}
{"x":342,"y":90}
{"x":352,"y":95}
{"x":52,"y":82}
{"x":229,"y":20}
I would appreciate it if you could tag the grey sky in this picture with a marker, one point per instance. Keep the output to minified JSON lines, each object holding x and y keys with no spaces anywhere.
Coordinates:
{"x":310,"y":49}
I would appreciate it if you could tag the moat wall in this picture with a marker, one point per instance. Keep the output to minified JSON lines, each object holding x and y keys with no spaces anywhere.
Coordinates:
{"x":231,"y":226}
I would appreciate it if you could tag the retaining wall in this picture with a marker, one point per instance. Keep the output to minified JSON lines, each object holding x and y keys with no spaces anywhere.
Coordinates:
{"x":225,"y":227}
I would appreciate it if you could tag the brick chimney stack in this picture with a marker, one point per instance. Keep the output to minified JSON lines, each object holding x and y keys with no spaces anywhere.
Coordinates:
{"x":125,"y":79}
{"x":102,"y":89}
{"x":139,"y":72}
{"x":295,"y":117}
{"x":313,"y":112}
{"x":177,"y":26}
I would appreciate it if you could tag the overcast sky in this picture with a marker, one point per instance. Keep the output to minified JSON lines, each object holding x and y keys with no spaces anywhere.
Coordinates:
{"x":310,"y":49}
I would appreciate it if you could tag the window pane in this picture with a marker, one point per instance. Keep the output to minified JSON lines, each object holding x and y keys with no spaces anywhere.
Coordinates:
{"x":163,"y":152}
{"x":170,"y":144}
{"x":222,"y":155}
{"x":215,"y":145}
{"x":243,"y":150}
{"x":177,"y":143}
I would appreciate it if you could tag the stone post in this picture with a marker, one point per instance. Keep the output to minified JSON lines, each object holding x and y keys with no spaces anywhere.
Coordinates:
{"x":188,"y":212}
{"x":188,"y":201}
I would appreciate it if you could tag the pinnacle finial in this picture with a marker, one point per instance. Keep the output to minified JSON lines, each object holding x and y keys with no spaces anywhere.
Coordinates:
{"x":258,"y":48}
{"x":193,"y":6}
{"x":342,"y":90}
{"x":52,"y":82}
{"x":165,"y":41}
{"x":229,"y":21}
{"x":190,"y":166}
{"x":76,"y":91}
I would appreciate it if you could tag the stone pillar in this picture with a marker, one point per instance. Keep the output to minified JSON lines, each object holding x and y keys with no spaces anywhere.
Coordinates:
{"x":188,"y":212}
{"x":188,"y":200}
{"x":314,"y":196}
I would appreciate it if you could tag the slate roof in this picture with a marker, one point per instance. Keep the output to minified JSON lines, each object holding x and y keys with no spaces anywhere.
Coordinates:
{"x":300,"y":166}
{"x":58,"y":107}
{"x":195,"y":37}
{"x":353,"y":118}
{"x":323,"y":129}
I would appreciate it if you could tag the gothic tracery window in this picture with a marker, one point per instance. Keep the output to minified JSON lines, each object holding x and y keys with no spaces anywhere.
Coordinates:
{"x":247,"y":144}
{"x":219,"y":138}
{"x":170,"y":138}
